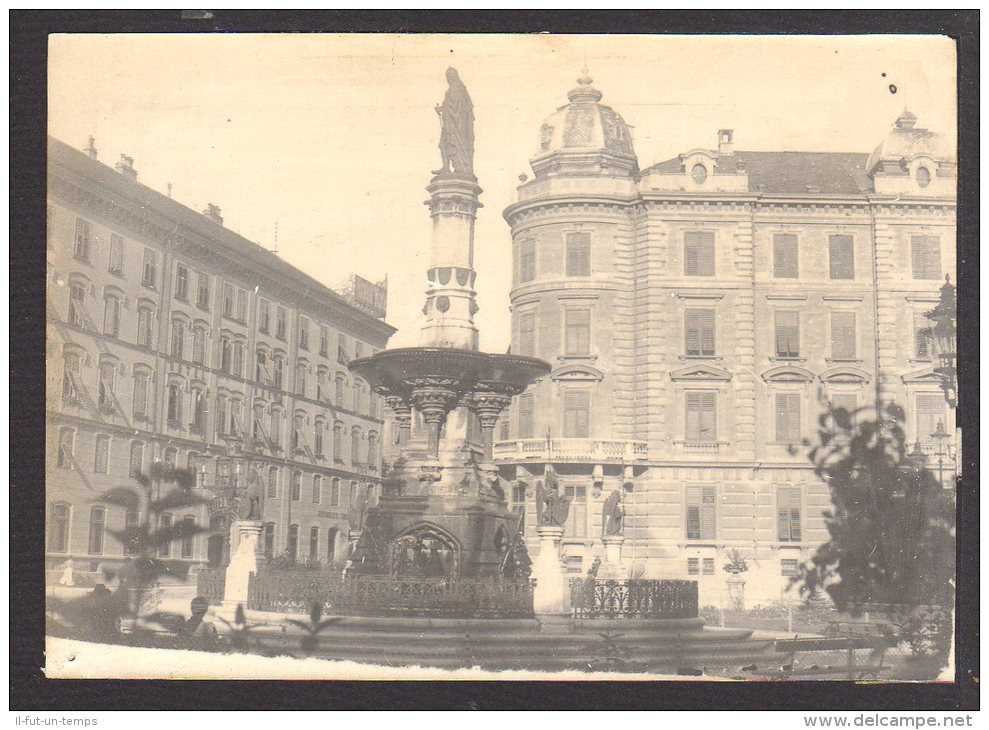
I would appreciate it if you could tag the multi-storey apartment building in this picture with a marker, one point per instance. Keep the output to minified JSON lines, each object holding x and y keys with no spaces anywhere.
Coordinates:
{"x":698,"y":314}
{"x":171,"y":338}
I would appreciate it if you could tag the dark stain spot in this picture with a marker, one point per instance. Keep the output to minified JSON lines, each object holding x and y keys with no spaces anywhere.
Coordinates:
{"x":883,"y":74}
{"x":892,"y":88}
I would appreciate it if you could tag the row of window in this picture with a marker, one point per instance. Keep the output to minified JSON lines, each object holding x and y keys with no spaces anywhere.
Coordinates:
{"x":705,"y":566}
{"x":59,"y":521}
{"x":699,"y":256}
{"x":65,"y":458}
{"x":701,"y":415}
{"x":334,"y":552}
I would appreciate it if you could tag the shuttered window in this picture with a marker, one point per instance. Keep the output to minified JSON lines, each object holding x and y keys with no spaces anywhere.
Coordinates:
{"x":578,"y":331}
{"x":102,"y":459}
{"x":701,"y":512}
{"x":527,"y":333}
{"x":693,"y":566}
{"x":527,"y":261}
{"x":149,"y":275}
{"x":111,"y":317}
{"x":97,"y":527}
{"x":930,"y":412}
{"x":576,"y":414}
{"x":577,"y":518}
{"x":295,"y":493}
{"x":221,"y":414}
{"x":141,"y":395}
{"x":701,"y":423}
{"x":842,"y":257}
{"x":116,"y":263}
{"x":199,"y":346}
{"x":80,"y":248}
{"x":698,"y":253}
{"x":785,"y":261}
{"x":181,"y":282}
{"x":699,"y":332}
{"x":526,"y":425}
{"x":925,"y":253}
{"x":843,"y":339}
{"x":178,"y":339}
{"x":578,"y":254}
{"x":242,"y":305}
{"x":708,"y":564}
{"x":788,"y":417}
{"x":144,"y":316}
{"x":202,"y":291}
{"x":273,"y":483}
{"x":788,"y":513}
{"x":787,"y":334}
{"x":136,"y":464}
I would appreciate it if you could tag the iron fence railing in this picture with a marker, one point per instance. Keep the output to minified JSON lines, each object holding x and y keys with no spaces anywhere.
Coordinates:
{"x":652,"y":599}
{"x":210,"y":583}
{"x":295,"y":592}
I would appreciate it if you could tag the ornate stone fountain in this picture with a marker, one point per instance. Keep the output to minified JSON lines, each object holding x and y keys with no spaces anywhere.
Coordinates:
{"x":442,"y":511}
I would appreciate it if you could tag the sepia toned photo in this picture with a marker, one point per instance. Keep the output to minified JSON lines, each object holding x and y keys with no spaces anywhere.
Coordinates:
{"x":382,"y":356}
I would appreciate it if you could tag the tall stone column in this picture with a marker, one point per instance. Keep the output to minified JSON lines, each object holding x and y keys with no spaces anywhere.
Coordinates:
{"x":434,"y":400}
{"x":450,"y":301}
{"x":403,"y":417}
{"x":488,"y":407}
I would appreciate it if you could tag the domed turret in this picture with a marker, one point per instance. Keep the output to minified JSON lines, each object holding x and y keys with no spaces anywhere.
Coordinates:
{"x":911,"y":159}
{"x":585,"y":136}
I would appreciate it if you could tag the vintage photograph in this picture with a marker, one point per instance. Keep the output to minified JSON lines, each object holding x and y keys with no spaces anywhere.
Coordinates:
{"x":383,"y":356}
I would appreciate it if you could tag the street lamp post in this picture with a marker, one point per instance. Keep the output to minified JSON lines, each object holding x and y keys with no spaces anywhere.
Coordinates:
{"x":940,"y":437}
{"x":943,"y":340}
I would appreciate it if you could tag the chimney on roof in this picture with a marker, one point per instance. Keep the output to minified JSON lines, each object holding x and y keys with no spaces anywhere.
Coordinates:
{"x":90,"y":148}
{"x":126,"y":167}
{"x":725,"y":148}
{"x":213,"y":213}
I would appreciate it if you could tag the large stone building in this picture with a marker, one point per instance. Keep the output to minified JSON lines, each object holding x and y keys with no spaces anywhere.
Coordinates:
{"x":696,"y":312}
{"x":171,"y":338}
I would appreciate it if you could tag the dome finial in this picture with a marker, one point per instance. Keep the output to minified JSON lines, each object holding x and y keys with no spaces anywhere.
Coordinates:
{"x":584,"y":90}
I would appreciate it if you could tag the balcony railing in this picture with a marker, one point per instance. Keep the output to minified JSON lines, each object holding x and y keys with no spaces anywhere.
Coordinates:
{"x":595,"y":450}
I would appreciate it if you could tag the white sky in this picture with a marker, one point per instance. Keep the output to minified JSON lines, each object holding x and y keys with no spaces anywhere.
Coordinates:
{"x":334,"y":136}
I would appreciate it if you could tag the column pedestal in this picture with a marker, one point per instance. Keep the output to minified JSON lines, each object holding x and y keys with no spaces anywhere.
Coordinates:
{"x":244,"y":560}
{"x":613,"y":568}
{"x":551,"y":594}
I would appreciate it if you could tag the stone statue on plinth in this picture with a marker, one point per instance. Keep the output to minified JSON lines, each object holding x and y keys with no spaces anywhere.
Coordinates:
{"x":552,"y":507}
{"x":249,"y":508}
{"x":456,"y":115}
{"x":613,"y":515}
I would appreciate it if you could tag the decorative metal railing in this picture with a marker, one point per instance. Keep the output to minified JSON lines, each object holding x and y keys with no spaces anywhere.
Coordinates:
{"x":210,"y":582}
{"x":654,"y":599}
{"x":295,"y":592}
{"x":572,"y":450}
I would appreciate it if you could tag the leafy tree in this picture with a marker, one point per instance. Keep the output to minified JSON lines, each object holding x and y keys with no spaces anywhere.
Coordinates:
{"x":892,"y":538}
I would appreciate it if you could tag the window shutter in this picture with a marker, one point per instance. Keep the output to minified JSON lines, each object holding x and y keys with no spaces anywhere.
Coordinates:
{"x":221,"y":414}
{"x":116,"y":254}
{"x":701,"y":423}
{"x":140,"y":394}
{"x":708,"y":509}
{"x":788,"y":509}
{"x":527,"y":333}
{"x":525,"y":416}
{"x":922,"y":333}
{"x":527,"y":261}
{"x":578,"y":254}
{"x":706,"y":317}
{"x":930,"y":410}
{"x":699,"y":339}
{"x":785,"y":256}
{"x":926,"y":257}
{"x":787,"y":417}
{"x":576,"y":407}
{"x":787,"y":334}
{"x":241,"y":304}
{"x":842,"y":257}
{"x":578,"y":323}
{"x":843,"y":335}
{"x":698,"y":254}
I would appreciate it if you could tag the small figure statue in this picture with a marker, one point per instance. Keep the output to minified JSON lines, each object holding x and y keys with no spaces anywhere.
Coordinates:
{"x":251,"y":510}
{"x":613,"y":515}
{"x":553,"y":508}
{"x":456,"y":115}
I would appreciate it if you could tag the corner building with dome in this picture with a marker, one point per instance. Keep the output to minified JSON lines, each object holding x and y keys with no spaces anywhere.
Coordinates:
{"x":697,"y":314}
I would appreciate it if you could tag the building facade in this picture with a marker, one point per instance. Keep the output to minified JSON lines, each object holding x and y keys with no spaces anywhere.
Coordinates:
{"x":172,"y":339}
{"x":699,"y":315}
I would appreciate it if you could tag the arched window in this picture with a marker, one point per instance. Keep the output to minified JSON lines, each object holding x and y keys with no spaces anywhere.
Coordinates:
{"x":257,"y":425}
{"x":338,"y":442}
{"x":101,"y":461}
{"x":58,"y":527}
{"x":165,"y":523}
{"x":318,"y":436}
{"x":300,"y":379}
{"x":111,"y":316}
{"x":314,"y":543}
{"x":220,"y":421}
{"x":199,"y":345}
{"x":136,"y":464}
{"x":177,"y":345}
{"x":322,"y":384}
{"x":292,"y":549}
{"x":296,"y":493}
{"x":97,"y":526}
{"x":335,"y":492}
{"x":226,"y":354}
{"x":171,"y":458}
{"x":198,"y":409}
{"x":278,"y":371}
{"x":77,"y":304}
{"x":236,"y":424}
{"x":273,"y":482}
{"x":66,"y":447}
{"x":269,"y":540}
{"x":372,"y":449}
{"x":262,"y":370}
{"x":174,"y":404}
{"x":923,"y":177}
{"x":108,"y":379}
{"x":131,"y":540}
{"x":355,"y":445}
{"x":317,"y":488}
{"x":145,"y":321}
{"x":142,"y":381}
{"x":276,"y":426}
{"x":188,"y":538}
{"x":340,"y":382}
{"x":70,"y":378}
{"x":357,"y":395}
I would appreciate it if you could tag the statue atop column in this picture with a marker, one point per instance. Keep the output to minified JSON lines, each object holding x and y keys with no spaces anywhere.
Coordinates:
{"x":552,"y":508}
{"x":456,"y":115}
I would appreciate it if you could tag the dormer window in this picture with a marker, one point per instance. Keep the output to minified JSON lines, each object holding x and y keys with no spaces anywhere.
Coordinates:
{"x":699,"y":173}
{"x":923,"y":177}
